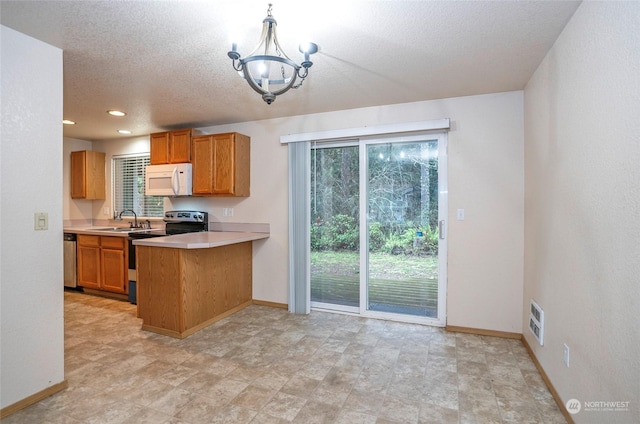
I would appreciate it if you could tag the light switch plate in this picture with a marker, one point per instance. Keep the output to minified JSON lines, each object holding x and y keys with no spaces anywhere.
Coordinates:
{"x":41,"y":221}
{"x":460,"y":214}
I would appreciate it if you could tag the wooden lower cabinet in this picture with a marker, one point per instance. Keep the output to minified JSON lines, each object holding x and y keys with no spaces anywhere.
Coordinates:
{"x":103,"y":263}
{"x":181,"y":291}
{"x":89,"y":261}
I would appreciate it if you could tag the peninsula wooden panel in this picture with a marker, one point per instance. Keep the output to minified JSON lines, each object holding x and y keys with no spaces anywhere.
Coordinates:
{"x":183,"y":290}
{"x":215,"y":281}
{"x":158,"y":286}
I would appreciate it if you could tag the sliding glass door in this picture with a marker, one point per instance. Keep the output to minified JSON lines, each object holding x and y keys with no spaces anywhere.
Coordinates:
{"x":377,"y":238}
{"x":402,"y":228}
{"x":335,"y":236}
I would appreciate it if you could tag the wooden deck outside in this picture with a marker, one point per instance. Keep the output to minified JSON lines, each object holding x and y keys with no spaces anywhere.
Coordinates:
{"x":411,"y":296}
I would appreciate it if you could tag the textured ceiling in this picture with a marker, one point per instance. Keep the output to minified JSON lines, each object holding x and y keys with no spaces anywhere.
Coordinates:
{"x":165,"y":62}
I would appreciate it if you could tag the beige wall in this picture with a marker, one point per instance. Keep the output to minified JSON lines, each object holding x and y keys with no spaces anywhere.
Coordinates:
{"x":103,"y":210}
{"x":582,"y":203}
{"x":485,"y":178}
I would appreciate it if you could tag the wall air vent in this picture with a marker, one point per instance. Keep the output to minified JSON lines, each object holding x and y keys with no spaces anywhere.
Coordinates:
{"x":536,"y":321}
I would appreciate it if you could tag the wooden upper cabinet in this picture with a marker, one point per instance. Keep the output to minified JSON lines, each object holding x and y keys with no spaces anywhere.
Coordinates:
{"x":221,"y":165}
{"x":87,"y":175}
{"x":180,"y":146}
{"x":202,"y":171}
{"x":159,"y":148}
{"x":170,"y":147}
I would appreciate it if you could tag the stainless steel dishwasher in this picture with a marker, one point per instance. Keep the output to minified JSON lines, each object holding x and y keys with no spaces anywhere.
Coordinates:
{"x":70,"y":277}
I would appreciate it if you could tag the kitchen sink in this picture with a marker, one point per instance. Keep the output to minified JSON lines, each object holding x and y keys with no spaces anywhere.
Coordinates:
{"x":115,"y":229}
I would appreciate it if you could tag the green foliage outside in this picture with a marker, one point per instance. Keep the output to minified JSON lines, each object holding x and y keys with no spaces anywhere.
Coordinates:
{"x":402,"y":199}
{"x":413,"y":241}
{"x":341,"y":232}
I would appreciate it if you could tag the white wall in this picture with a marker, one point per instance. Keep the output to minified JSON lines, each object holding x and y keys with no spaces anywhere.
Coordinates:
{"x":485,"y":178}
{"x":582,"y":202}
{"x":32,"y":338}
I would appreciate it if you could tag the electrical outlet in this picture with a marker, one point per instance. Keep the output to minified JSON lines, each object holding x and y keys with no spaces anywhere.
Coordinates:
{"x":105,"y":210}
{"x":565,"y":355}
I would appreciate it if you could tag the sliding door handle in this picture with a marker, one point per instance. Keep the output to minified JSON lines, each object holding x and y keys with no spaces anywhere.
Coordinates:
{"x":441,"y":229}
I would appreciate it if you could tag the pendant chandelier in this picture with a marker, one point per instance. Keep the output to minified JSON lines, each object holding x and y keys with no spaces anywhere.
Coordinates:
{"x":267,"y":68}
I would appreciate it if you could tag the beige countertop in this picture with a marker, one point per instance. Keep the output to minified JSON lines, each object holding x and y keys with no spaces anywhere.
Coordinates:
{"x":201,"y":240}
{"x":220,"y":234}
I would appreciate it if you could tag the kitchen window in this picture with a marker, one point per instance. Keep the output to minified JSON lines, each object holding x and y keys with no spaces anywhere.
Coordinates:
{"x":128,"y":172}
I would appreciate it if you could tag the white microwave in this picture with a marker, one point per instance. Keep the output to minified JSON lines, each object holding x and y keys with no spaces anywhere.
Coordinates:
{"x":168,"y":180}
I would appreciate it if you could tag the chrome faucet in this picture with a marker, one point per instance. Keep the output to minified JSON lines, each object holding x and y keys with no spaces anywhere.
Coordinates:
{"x":135,"y":218}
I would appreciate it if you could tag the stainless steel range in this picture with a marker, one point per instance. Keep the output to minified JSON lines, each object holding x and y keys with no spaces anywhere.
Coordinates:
{"x":176,"y":222}
{"x":180,"y":222}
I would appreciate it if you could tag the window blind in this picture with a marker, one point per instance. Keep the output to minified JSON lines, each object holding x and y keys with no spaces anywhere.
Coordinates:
{"x":299,"y":224}
{"x":128,"y":177}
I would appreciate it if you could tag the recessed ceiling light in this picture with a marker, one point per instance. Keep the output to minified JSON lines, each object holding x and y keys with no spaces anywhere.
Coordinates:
{"x":124,"y":131}
{"x":68,"y":122}
{"x":116,"y":113}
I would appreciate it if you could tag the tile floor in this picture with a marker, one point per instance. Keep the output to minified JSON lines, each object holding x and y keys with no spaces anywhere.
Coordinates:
{"x":264,"y":365}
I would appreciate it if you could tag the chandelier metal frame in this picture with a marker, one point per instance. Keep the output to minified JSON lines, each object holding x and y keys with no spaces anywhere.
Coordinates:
{"x":258,"y":66}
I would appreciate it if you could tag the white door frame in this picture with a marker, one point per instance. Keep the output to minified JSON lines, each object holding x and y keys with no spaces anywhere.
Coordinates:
{"x":441,"y":319}
{"x":441,"y":125}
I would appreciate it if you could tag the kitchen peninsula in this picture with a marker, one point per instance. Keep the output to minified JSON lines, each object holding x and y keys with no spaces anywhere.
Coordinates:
{"x":189,"y":281}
